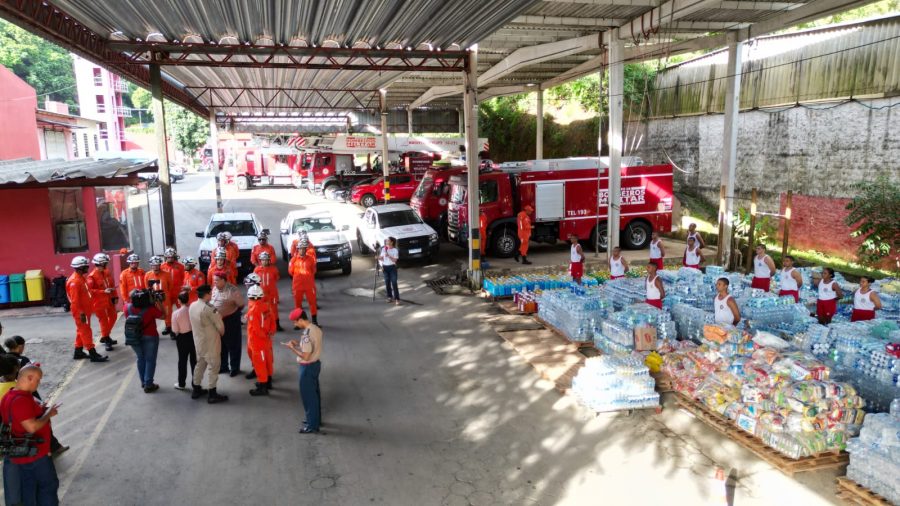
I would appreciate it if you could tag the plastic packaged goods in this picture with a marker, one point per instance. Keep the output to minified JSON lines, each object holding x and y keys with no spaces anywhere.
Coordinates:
{"x":575,"y":311}
{"x":875,"y":456}
{"x":608,"y":383}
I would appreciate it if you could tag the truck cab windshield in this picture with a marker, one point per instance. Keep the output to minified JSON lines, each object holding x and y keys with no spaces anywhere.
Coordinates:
{"x":423,"y":188}
{"x":398,"y":219}
{"x":459,"y":194}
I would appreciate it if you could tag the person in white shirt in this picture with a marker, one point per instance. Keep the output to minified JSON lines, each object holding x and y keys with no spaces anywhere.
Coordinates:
{"x":692,"y":256}
{"x":655,"y":290}
{"x":387,"y":257}
{"x":657,"y":251}
{"x":763,"y":269}
{"x":791,"y":280}
{"x":726,"y":309}
{"x":576,"y":259}
{"x":692,"y":232}
{"x":184,"y":340}
{"x":829,"y":293}
{"x":865,"y":301}
{"x":618,"y":266}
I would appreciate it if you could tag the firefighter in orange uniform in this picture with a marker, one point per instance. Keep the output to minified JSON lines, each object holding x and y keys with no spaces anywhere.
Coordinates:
{"x":260,"y":328}
{"x":81,"y":306}
{"x":176,"y":271}
{"x":103,"y":297}
{"x":193,"y":278}
{"x":263,"y":246}
{"x":523,"y":223}
{"x":269,"y":276}
{"x":221,"y":263}
{"x":160,"y":284}
{"x":231,"y":248}
{"x":303,"y":273}
{"x":131,"y":278}
{"x":296,"y":241}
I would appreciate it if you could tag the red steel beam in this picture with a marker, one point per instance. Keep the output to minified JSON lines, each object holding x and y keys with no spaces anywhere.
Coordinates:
{"x":38,"y":16}
{"x":214,"y":99}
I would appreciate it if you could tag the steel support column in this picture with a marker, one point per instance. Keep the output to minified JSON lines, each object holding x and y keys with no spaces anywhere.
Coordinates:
{"x":214,"y":142}
{"x":616,"y":90}
{"x":461,"y":119}
{"x":409,"y":123}
{"x":470,"y":109}
{"x":729,"y":148}
{"x":539,"y":139}
{"x":385,"y":166}
{"x":165,"y":182}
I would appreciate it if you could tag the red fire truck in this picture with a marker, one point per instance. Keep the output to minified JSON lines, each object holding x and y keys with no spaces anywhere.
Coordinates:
{"x":433,"y":194}
{"x":263,"y":167}
{"x":328,"y":170}
{"x":563,"y":194}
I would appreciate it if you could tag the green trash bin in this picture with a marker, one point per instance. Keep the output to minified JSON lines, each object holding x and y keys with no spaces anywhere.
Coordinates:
{"x":17,"y":288}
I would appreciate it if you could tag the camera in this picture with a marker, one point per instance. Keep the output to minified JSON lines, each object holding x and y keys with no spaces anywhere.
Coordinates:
{"x":156,"y":294}
{"x":17,"y":446}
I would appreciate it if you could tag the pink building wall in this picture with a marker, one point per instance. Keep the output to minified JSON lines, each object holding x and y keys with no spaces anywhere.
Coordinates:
{"x":18,"y":125}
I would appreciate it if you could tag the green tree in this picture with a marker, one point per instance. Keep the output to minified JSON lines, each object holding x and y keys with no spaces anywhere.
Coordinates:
{"x":141,"y":99}
{"x":881,"y":8}
{"x":187,"y":130}
{"x":639,"y":79}
{"x":44,"y":66}
{"x":874,"y":217}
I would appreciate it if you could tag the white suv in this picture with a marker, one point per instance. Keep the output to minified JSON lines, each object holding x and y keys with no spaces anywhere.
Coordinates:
{"x":243,"y":228}
{"x":415,"y":239}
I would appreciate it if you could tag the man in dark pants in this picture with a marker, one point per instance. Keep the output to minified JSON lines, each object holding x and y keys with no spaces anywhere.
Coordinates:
{"x":25,"y":415}
{"x":228,"y":301}
{"x":308,"y":350}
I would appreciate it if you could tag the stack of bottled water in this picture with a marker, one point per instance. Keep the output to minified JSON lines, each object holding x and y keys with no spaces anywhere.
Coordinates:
{"x":574,"y":311}
{"x":625,"y":291}
{"x":616,"y":333}
{"x":875,"y":454}
{"x":608,"y":383}
{"x":818,"y":340}
{"x":690,"y":320}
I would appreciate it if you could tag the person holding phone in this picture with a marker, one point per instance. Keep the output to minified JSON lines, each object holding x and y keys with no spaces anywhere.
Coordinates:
{"x":308,"y":350}
{"x":388,"y":259}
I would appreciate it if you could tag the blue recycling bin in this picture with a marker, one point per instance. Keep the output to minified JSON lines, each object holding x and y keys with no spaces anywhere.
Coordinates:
{"x":4,"y":289}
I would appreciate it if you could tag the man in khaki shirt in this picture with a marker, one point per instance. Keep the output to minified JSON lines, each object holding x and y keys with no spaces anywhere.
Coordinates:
{"x":228,"y":301}
{"x":308,"y":350}
{"x":207,"y":326}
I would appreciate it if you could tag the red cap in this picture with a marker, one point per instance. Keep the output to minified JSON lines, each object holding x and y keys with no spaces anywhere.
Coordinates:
{"x":296,"y":313}
{"x":220,"y":274}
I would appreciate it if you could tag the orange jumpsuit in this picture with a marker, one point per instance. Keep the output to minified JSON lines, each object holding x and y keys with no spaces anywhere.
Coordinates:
{"x":260,"y":328}
{"x":482,"y":231}
{"x":524,"y":226}
{"x":259,"y":248}
{"x":232,"y":252}
{"x":81,"y":306}
{"x":269,"y":282}
{"x":294,"y":247}
{"x":303,"y":279}
{"x":176,"y":271}
{"x":230,"y":273}
{"x":131,"y":279}
{"x":193,"y":279}
{"x":165,"y":286}
{"x":102,"y":302}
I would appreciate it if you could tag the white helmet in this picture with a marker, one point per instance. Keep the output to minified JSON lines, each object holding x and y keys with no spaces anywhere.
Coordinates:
{"x":189,"y":261}
{"x":252,"y":279}
{"x":132,"y":258}
{"x":264,"y":256}
{"x":262,"y":235}
{"x":156,"y":260}
{"x":255,"y":292}
{"x":79,"y":262}
{"x":170,"y":253}
{"x":100,"y":259}
{"x":302,"y":238}
{"x":221,"y":236}
{"x":227,"y":235}
{"x":221,"y":254}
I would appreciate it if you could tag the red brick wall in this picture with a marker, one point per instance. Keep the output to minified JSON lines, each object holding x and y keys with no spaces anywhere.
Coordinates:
{"x":817,"y":223}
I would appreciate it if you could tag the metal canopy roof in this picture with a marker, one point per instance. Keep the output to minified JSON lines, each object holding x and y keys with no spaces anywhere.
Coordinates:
{"x":28,"y":170}
{"x":289,"y":56}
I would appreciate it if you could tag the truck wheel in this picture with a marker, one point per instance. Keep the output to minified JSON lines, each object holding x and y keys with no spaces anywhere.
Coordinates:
{"x":367,"y":200}
{"x":362,"y":245}
{"x":504,"y":242}
{"x":347,"y":270}
{"x":637,"y":235}
{"x":329,"y":190}
{"x":604,"y":242}
{"x":242,"y":183}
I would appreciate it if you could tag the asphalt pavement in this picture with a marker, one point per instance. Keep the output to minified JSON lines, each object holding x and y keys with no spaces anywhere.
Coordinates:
{"x":422,"y":405}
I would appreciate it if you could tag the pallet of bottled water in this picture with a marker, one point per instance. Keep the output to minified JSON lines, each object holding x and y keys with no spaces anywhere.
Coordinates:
{"x":608,"y":383}
{"x":574,"y":311}
{"x":689,"y":321}
{"x":875,"y":454}
{"x":625,"y":291}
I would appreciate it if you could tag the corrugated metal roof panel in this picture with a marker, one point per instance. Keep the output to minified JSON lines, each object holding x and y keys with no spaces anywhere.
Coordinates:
{"x":27,"y":170}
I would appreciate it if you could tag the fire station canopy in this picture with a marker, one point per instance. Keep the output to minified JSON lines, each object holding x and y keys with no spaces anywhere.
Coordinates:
{"x":28,"y":170}
{"x":285,"y":57}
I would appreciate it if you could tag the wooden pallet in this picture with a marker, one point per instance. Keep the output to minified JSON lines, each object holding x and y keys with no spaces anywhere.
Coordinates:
{"x":826,"y":460}
{"x":562,"y":335}
{"x":853,"y":493}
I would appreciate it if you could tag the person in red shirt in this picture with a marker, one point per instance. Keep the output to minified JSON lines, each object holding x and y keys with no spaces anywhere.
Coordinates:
{"x":260,"y":328}
{"x":131,"y":278}
{"x":82,"y":307}
{"x":193,"y":278}
{"x":27,"y":416}
{"x":269,"y":276}
{"x":262,"y":247}
{"x":103,"y":297}
{"x":302,"y":270}
{"x":160,"y":282}
{"x":146,"y":350}
{"x":176,"y":270}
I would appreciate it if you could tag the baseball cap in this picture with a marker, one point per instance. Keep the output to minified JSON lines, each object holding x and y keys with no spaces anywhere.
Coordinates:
{"x":298,"y":314}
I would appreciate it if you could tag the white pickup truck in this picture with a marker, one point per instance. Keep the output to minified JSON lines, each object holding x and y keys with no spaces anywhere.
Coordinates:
{"x":415,"y":239}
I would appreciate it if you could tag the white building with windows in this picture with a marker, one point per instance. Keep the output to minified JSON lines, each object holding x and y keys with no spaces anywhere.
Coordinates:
{"x":100,"y":98}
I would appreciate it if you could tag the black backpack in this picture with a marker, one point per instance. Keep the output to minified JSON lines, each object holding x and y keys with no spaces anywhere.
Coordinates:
{"x":134,"y":326}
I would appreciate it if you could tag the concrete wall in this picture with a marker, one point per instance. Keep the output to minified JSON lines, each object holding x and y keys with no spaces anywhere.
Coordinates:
{"x":18,"y":125}
{"x":817,"y":150}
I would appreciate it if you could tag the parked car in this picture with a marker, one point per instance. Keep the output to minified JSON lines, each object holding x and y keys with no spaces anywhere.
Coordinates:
{"x":243,"y":228}
{"x":367,"y":194}
{"x":415,"y":239}
{"x":333,"y":250}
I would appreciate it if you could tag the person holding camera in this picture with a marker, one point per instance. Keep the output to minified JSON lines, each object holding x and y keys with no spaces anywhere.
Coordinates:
{"x":229,"y":302}
{"x":160,"y":284}
{"x":142,"y":335}
{"x":207,"y":326}
{"x":29,"y":422}
{"x":82,"y":308}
